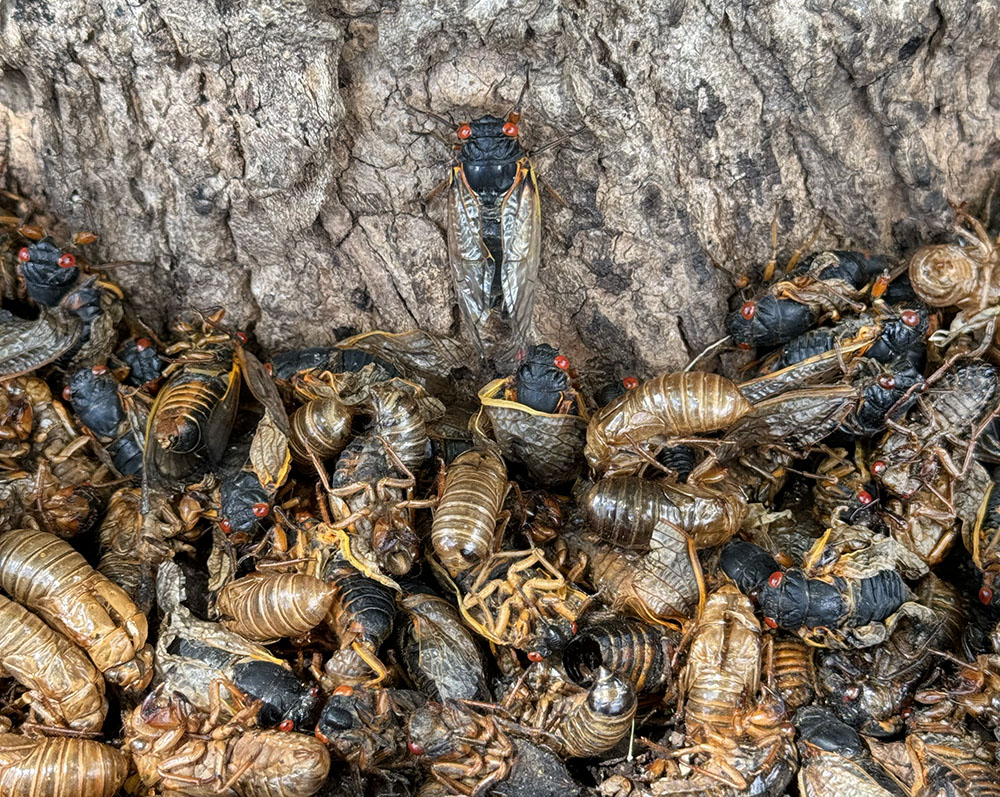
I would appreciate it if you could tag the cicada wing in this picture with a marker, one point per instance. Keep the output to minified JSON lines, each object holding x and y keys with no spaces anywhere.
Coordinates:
{"x":262,"y":386}
{"x":471,"y":262}
{"x":28,"y":345}
{"x":521,"y":228}
{"x":220,"y":423}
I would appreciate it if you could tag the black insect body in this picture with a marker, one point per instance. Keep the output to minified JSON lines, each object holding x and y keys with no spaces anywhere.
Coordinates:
{"x":286,"y":701}
{"x":143,"y":361}
{"x":541,"y":379}
{"x":49,"y":274}
{"x":494,"y":225}
{"x":825,"y":283}
{"x":93,"y":393}
{"x":791,"y":600}
{"x":245,"y":503}
{"x":880,"y":392}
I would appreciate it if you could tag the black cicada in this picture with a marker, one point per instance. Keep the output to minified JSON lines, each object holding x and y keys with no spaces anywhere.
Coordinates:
{"x":494,"y":224}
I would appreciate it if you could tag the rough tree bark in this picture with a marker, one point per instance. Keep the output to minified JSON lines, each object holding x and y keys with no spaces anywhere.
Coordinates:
{"x":260,"y":152}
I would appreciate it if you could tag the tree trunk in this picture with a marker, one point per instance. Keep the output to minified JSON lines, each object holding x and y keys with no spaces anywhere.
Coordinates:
{"x":260,"y":154}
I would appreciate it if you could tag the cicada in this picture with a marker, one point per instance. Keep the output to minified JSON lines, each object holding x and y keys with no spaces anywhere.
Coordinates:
{"x":494,"y":224}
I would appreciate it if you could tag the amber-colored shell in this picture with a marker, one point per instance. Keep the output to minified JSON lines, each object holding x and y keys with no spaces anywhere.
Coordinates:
{"x":60,"y":767}
{"x":268,"y":606}
{"x":671,"y":405}
{"x":944,"y":275}
{"x":548,"y":445}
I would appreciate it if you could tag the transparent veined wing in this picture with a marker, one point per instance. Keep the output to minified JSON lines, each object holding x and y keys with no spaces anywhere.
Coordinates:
{"x":471,"y":262}
{"x":521,"y":230}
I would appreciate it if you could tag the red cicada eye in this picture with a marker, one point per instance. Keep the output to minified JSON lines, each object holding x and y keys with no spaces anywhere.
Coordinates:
{"x":879,"y":467}
{"x":535,"y":656}
{"x":743,"y":346}
{"x":910,"y":317}
{"x":324,"y":739}
{"x":561,"y":362}
{"x":630,"y":383}
{"x":269,"y":368}
{"x":886,"y":382}
{"x":261,"y":510}
{"x":865,"y":497}
{"x":573,"y":627}
{"x":287,"y":725}
{"x":852,"y":692}
{"x":770,"y":622}
{"x":24,"y":255}
{"x":775,"y":579}
{"x":748,"y":310}
{"x":67,"y":394}
{"x":510,"y":129}
{"x":985,"y":596}
{"x":142,"y":344}
{"x":242,"y":337}
{"x":344,"y":690}
{"x":67,"y":261}
{"x":99,"y":370}
{"x":225,"y":525}
{"x":464,"y":131}
{"x":415,"y":748}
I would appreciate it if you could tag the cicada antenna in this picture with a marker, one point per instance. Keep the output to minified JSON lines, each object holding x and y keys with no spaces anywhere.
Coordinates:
{"x":514,"y":114}
{"x":436,"y":117}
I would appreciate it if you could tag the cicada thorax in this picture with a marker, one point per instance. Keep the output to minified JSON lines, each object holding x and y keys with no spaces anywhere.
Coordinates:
{"x":548,"y":444}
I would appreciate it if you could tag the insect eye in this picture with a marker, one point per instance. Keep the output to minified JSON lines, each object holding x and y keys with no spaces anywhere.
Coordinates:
{"x":535,"y":656}
{"x":24,"y":255}
{"x":242,"y":336}
{"x":142,"y":344}
{"x":225,"y":525}
{"x":852,"y":692}
{"x":464,"y":131}
{"x":269,"y":368}
{"x":770,"y":622}
{"x":985,"y":596}
{"x":561,"y":362}
{"x":748,"y":310}
{"x":99,"y":370}
{"x":261,"y":510}
{"x":630,"y":383}
{"x":910,"y":317}
{"x":879,"y":467}
{"x":886,"y":382}
{"x":322,"y":736}
{"x":573,"y":627}
{"x":743,"y":346}
{"x":67,"y":393}
{"x":66,"y":261}
{"x":775,"y":579}
{"x":510,"y":129}
{"x":286,"y":725}
{"x":415,"y":748}
{"x":344,"y":690}
{"x":865,"y":497}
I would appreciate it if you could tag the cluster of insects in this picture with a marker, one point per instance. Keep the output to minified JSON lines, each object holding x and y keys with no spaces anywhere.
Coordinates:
{"x":370,"y":568}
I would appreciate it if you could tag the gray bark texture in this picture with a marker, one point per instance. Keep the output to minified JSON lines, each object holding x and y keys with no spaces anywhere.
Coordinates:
{"x":261,"y":154}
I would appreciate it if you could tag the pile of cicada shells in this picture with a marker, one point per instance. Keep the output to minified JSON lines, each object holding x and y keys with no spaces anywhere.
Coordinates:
{"x":373,"y":568}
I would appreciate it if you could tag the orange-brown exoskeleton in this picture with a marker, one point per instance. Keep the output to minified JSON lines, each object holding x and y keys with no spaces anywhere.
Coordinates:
{"x":49,"y":577}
